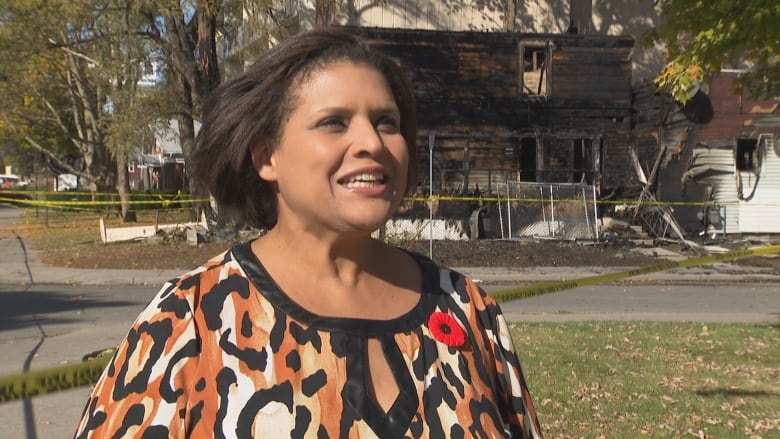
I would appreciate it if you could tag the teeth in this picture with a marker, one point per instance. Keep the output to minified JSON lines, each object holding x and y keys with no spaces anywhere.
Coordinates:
{"x":364,"y":180}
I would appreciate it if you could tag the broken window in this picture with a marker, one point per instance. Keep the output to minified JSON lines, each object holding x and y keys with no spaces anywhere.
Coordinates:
{"x":747,"y":157}
{"x":534,"y":68}
{"x":582,"y":161}
{"x":527,"y":159}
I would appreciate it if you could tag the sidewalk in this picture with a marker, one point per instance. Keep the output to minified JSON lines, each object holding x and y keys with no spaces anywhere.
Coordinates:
{"x":19,"y":266}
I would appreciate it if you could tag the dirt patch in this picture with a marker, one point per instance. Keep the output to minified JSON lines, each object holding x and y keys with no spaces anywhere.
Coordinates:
{"x":134,"y":255}
{"x":74,"y":241}
{"x":531,"y":253}
{"x":481,"y":253}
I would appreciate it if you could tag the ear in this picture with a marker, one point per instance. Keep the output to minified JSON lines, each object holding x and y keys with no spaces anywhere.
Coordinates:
{"x":264,"y":163}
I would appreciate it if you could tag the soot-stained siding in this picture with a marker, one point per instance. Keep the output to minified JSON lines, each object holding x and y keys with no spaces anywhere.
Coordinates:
{"x":470,"y":94}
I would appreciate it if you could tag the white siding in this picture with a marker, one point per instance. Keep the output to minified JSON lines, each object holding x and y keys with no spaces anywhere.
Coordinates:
{"x":534,"y":16}
{"x":761,"y":214}
{"x":723,"y":183}
{"x":758,"y":214}
{"x":726,"y":195}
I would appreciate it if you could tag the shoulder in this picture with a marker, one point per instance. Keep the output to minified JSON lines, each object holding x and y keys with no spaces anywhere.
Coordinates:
{"x":451,"y":282}
{"x":192,"y":285}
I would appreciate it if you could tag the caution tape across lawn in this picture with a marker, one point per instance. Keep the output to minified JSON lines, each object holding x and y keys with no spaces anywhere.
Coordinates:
{"x":552,"y":287}
{"x":29,"y":384}
{"x":39,"y":382}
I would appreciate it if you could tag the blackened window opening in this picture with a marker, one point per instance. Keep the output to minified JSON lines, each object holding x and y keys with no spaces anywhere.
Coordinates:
{"x":527,"y":156}
{"x":747,"y":155}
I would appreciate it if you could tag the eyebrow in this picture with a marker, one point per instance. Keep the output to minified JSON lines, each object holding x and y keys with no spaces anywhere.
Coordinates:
{"x":389,"y":109}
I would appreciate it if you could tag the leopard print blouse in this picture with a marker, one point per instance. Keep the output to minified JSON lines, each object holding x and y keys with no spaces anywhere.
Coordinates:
{"x":222,"y":352}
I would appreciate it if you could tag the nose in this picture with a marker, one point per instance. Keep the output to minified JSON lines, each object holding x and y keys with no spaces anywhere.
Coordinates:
{"x":367,"y":138}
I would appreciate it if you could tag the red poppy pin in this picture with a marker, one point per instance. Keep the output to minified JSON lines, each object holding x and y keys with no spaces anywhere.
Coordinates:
{"x":446,"y":329}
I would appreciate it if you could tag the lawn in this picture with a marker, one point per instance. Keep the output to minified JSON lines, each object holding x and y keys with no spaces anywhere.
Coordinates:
{"x":72,"y":239}
{"x":649,"y":379}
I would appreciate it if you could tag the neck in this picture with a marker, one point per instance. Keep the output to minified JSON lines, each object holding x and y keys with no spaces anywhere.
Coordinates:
{"x":324,"y":256}
{"x":352,"y":276}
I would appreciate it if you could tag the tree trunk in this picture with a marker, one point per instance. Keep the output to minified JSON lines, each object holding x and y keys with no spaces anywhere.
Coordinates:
{"x":199,"y":195}
{"x":123,"y":184}
{"x":208,"y":63}
{"x":510,"y":14}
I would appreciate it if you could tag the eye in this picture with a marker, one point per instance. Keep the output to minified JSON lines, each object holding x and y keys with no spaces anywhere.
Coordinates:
{"x":332,"y":123}
{"x":388,"y":124}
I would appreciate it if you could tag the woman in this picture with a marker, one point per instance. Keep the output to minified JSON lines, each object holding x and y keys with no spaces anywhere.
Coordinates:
{"x":315,"y":329}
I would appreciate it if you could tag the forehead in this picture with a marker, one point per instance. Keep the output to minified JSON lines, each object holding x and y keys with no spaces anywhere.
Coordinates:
{"x":337,"y":73}
{"x":318,"y":67}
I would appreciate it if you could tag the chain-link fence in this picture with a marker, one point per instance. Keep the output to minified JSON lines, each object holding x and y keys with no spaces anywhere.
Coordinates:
{"x":437,"y":218}
{"x":554,"y":210}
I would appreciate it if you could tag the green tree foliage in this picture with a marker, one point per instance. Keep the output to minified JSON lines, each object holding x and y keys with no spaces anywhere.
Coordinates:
{"x":71,"y":87}
{"x":61,"y":82}
{"x":24,"y":79}
{"x":703,"y":37}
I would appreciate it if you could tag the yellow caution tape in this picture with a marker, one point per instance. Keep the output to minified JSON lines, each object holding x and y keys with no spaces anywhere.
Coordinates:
{"x":436,"y":198}
{"x":494,"y":199}
{"x":76,"y":203}
{"x":39,"y":382}
{"x":29,"y":384}
{"x":552,"y":287}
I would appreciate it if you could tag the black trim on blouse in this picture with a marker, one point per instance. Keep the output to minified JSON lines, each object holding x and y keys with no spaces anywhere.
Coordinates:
{"x":353,"y":334}
{"x":417,"y":316}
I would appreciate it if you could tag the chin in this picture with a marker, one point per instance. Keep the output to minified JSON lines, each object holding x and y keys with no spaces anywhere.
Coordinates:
{"x":368,"y":226}
{"x":373,"y":226}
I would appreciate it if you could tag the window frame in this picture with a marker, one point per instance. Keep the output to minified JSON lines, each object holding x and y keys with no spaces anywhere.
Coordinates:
{"x":544,"y":84}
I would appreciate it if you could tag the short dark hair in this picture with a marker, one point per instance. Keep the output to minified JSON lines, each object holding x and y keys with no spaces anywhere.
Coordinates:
{"x":249,"y":111}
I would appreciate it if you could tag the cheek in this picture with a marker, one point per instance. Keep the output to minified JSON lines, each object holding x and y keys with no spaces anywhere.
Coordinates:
{"x":399,"y":151}
{"x":404,"y":163}
{"x":401,"y":155}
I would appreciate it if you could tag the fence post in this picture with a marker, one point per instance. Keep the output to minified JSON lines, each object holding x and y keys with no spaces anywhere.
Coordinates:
{"x":431,"y":141}
{"x":544,"y":212}
{"x":500,"y":214}
{"x":552,"y":211}
{"x":595,"y":213}
{"x":509,"y":213}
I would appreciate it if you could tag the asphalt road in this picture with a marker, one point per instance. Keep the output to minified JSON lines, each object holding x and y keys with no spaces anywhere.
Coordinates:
{"x":737,"y":303}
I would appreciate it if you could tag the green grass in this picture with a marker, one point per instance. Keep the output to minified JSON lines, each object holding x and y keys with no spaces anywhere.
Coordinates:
{"x":649,"y":379}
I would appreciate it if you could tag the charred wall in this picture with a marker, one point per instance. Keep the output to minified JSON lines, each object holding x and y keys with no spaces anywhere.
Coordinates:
{"x":488,"y":96}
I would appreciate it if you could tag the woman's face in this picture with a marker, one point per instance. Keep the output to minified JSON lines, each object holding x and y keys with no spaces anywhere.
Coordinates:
{"x":341,"y":163}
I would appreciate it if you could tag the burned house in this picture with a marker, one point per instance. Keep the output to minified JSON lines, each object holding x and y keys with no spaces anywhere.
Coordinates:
{"x":157,"y":172}
{"x":499,"y":107}
{"x":720,"y":172}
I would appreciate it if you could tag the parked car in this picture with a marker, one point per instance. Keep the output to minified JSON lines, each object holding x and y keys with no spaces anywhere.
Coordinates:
{"x":13,"y":196}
